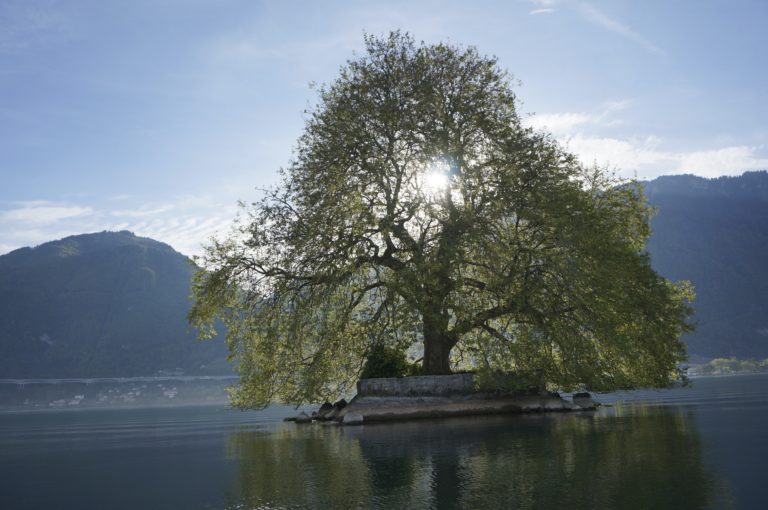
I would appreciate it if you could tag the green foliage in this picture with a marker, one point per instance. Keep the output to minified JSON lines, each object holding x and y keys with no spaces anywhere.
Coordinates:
{"x":522,"y":260}
{"x":724,"y":366}
{"x":496,"y":381}
{"x":384,"y":361}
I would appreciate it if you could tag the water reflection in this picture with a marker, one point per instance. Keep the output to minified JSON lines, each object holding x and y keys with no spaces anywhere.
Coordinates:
{"x":621,"y":458}
{"x":293,"y":467}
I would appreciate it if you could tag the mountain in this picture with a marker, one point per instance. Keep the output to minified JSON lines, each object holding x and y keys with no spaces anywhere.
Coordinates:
{"x":714,"y":232}
{"x":114,"y":304}
{"x":99,"y":305}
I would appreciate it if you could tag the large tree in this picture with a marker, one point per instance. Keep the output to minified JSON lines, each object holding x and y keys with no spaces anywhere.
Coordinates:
{"x":419,"y":211}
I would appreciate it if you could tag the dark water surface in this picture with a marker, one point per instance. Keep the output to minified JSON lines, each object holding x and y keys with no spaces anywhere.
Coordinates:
{"x":703,"y":447}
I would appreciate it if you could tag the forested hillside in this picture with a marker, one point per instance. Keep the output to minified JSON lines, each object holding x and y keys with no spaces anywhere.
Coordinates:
{"x":114,"y":304}
{"x":714,"y":232}
{"x":105,"y":304}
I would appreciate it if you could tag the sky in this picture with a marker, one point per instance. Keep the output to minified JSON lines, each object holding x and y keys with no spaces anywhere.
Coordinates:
{"x":158,"y":116}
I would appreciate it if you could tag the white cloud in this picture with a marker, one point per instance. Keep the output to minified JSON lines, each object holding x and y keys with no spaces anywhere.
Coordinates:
{"x":646,"y":159}
{"x":586,"y":135}
{"x":724,"y":161}
{"x":559,"y":124}
{"x":640,"y":156}
{"x":541,"y":11}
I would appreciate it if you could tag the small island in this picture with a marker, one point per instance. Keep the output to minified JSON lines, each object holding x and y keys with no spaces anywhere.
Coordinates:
{"x":421,"y":218}
{"x":438,"y":396}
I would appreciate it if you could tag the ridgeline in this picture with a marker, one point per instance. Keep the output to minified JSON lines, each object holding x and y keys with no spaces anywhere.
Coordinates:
{"x":100,"y":305}
{"x":714,"y":232}
{"x":113,"y":304}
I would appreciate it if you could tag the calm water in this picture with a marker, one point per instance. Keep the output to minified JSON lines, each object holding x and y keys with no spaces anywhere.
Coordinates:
{"x":705,"y":447}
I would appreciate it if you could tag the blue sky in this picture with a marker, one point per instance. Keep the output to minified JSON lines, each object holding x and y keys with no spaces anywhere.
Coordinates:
{"x":156,"y":116}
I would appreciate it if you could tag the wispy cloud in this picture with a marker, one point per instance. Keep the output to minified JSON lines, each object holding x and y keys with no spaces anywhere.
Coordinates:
{"x":565,"y":123}
{"x":42,"y":212}
{"x":144,"y":210}
{"x":186,"y":234}
{"x":543,"y":6}
{"x":597,"y":17}
{"x":26,"y":24}
{"x":247,"y":48}
{"x":546,"y":4}
{"x":186,"y":224}
{"x":241,"y":49}
{"x":121,"y":197}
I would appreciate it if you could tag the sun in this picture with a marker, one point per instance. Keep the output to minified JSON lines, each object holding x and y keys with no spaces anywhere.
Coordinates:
{"x":435,"y":182}
{"x":436,"y":178}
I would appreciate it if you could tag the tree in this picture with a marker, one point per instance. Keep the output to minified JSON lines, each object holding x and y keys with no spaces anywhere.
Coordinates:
{"x":418,"y":210}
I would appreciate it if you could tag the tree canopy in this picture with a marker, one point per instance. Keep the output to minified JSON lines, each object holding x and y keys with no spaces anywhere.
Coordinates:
{"x":420,"y":213}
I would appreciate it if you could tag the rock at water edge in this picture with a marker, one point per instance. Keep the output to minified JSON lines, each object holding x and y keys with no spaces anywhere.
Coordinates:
{"x":325,"y":409}
{"x":303,"y":418}
{"x":337,"y":413}
{"x":353,"y":419}
{"x":584,"y":401}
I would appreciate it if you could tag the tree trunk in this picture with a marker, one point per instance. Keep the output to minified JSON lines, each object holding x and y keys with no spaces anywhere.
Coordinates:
{"x":437,"y":354}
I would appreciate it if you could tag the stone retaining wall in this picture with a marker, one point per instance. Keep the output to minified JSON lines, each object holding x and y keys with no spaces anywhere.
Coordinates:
{"x":425,"y":385}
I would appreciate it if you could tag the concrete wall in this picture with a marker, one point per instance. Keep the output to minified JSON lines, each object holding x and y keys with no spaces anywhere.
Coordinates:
{"x":425,"y":385}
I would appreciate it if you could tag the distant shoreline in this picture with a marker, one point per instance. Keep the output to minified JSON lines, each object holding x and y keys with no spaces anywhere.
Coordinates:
{"x":732,"y":374}
{"x":114,"y":392}
{"x":95,"y":380}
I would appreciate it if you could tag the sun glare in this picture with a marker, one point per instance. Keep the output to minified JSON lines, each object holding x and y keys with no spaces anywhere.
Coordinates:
{"x":436,"y":178}
{"x":435,"y":181}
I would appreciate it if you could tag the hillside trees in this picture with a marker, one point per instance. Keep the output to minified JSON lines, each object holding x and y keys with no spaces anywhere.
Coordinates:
{"x":419,"y":211}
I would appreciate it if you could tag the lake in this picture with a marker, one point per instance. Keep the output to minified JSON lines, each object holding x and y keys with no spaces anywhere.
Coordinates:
{"x":699,"y":447}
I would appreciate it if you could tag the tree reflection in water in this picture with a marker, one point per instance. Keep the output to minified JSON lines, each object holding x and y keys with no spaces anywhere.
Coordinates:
{"x":639,"y":458}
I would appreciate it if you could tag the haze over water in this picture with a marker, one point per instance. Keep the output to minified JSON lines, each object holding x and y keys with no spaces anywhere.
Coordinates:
{"x":686,"y":448}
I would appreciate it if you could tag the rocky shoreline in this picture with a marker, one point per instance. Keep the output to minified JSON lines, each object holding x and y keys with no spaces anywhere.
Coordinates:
{"x":410,"y":398}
